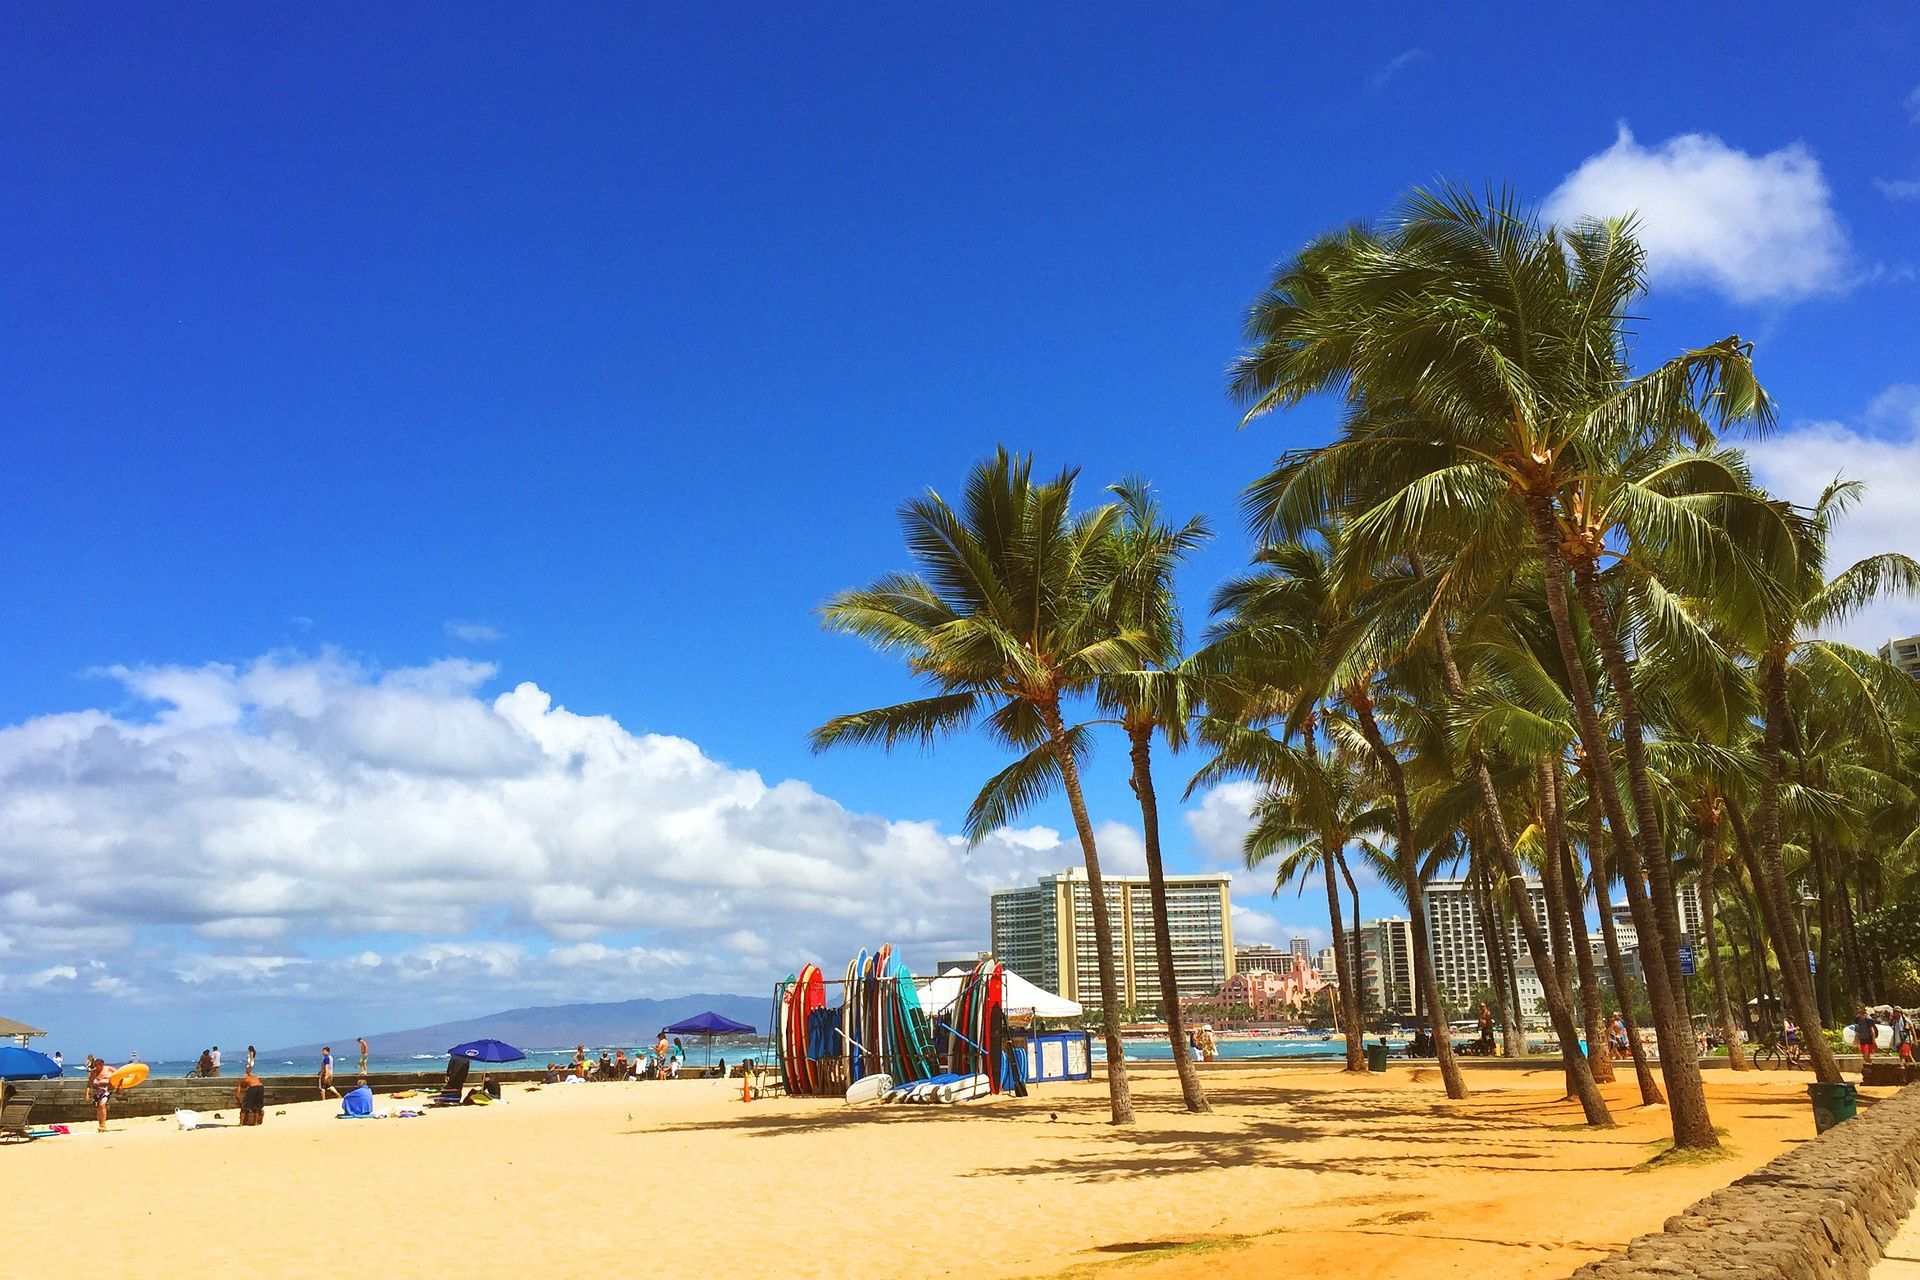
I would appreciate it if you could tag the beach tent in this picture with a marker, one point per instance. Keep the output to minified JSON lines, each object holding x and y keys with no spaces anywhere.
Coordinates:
{"x":937,"y":995}
{"x":708,"y":1025}
{"x":26,"y":1064}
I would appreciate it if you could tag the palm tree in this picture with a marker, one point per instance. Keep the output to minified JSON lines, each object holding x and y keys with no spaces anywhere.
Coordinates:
{"x":1147,"y":551}
{"x":1802,"y":603}
{"x":1483,"y":358}
{"x":1003,"y":621}
{"x":1313,"y":810}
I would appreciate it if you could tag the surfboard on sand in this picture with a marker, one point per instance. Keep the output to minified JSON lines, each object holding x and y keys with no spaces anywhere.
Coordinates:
{"x":869,"y":1088}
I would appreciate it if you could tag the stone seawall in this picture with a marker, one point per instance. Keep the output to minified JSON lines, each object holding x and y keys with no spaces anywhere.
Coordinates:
{"x":1823,"y":1211}
{"x":64,"y":1101}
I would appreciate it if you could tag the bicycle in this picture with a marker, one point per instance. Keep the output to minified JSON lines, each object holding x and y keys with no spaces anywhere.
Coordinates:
{"x":1782,"y":1056}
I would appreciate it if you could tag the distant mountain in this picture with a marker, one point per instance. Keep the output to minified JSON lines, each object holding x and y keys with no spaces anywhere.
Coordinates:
{"x":624,"y":1022}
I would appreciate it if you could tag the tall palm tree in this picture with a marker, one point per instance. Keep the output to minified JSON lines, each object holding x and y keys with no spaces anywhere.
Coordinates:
{"x":1147,"y":552}
{"x":1004,"y":621}
{"x":1802,"y":603}
{"x":1484,"y":359}
{"x":1313,"y":810}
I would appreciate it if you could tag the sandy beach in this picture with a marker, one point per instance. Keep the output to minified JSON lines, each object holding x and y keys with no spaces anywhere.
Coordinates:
{"x":1303,"y":1169}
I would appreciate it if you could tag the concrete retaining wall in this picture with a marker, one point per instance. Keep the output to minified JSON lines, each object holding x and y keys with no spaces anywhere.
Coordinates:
{"x":1823,"y":1211}
{"x":65,"y":1101}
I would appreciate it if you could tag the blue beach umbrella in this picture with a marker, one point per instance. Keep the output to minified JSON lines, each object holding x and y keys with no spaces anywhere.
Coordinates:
{"x":486,"y":1051}
{"x":17,"y":1063}
{"x":709,"y":1025}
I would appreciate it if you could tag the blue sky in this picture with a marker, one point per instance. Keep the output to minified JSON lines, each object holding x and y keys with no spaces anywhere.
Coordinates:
{"x":365,"y":365}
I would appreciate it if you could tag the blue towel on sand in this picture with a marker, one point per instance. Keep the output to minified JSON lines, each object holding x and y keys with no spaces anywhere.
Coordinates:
{"x":358,"y":1104}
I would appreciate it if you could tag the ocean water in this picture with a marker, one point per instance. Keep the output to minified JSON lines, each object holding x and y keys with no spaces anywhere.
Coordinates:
{"x":346,"y":1064}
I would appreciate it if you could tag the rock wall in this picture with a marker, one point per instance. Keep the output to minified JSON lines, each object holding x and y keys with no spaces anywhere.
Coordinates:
{"x":1823,"y":1211}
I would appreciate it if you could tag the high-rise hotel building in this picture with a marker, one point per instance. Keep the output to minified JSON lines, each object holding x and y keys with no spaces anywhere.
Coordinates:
{"x":1044,"y":932}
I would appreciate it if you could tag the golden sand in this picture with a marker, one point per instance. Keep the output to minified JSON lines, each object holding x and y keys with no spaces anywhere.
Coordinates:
{"x":1297,"y":1171}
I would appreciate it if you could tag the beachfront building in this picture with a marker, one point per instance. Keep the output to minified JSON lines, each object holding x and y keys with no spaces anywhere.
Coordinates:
{"x":1258,"y":957}
{"x":1327,"y":964}
{"x":1300,"y":950}
{"x":1386,"y":964}
{"x":1460,"y":951}
{"x":1044,"y":932}
{"x":1686,"y":900}
{"x":1271,"y":993}
{"x":1904,"y":653}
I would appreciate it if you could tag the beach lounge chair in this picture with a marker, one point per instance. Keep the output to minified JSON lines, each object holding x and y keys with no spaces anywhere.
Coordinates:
{"x":13,"y":1120}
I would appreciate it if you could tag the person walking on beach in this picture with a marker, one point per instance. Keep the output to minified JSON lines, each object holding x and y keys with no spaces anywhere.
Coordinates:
{"x":251,"y":1096}
{"x":98,"y":1089}
{"x":1866,"y":1036}
{"x":1902,"y":1036}
{"x":326,"y":1073}
{"x":213,"y":1061}
{"x":1617,"y":1037}
{"x":363,"y":1058}
{"x":1486,"y":1031}
{"x":249,"y":1059}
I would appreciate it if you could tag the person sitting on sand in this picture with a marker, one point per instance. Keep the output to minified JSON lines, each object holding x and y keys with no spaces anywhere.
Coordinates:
{"x":251,"y":1095}
{"x":620,"y":1064}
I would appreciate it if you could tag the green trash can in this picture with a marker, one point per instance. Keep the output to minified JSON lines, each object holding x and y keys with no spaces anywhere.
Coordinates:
{"x":1832,"y":1103}
{"x":1377,"y":1059}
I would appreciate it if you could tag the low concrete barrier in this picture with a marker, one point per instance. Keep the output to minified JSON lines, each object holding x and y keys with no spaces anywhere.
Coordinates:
{"x":1823,"y":1211}
{"x":65,"y":1101}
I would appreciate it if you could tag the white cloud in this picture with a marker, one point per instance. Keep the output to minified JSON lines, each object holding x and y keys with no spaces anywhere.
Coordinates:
{"x":1883,"y":450}
{"x":471,"y":632}
{"x":250,"y":817}
{"x":1754,"y":227}
{"x":1394,"y":66}
{"x":1219,"y":826}
{"x":53,"y":974}
{"x":1898,"y":188}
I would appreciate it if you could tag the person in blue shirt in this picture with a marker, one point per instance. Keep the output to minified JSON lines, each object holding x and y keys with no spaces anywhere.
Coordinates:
{"x":1866,"y":1036}
{"x":326,"y":1073}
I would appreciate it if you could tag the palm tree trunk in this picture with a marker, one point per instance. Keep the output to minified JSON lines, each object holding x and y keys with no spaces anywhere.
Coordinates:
{"x":1119,"y":1094}
{"x":1650,"y":1094}
{"x":1345,"y":978}
{"x":1771,"y":885}
{"x":1591,"y":1103}
{"x":1736,"y":1054}
{"x":1653,"y":854}
{"x":1590,"y":1011}
{"x":1491,"y":935}
{"x":1679,"y":1052}
{"x":1359,"y":943}
{"x":1553,"y":880}
{"x":1141,"y":739}
{"x":1415,"y":892}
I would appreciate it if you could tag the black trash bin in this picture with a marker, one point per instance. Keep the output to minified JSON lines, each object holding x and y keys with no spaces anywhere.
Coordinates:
{"x":1832,"y":1103}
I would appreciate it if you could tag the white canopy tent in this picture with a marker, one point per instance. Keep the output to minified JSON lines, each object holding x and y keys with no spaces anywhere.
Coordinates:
{"x":937,"y":995}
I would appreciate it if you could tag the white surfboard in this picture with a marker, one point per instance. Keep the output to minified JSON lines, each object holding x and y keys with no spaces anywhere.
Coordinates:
{"x":869,"y":1088}
{"x":1882,"y":1037}
{"x":961,"y":1091}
